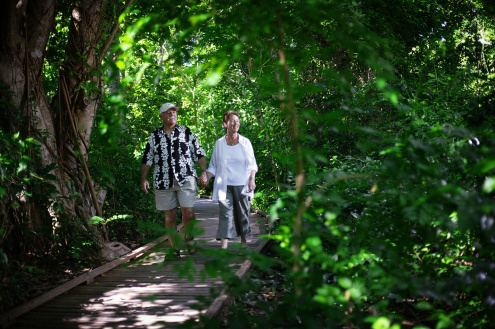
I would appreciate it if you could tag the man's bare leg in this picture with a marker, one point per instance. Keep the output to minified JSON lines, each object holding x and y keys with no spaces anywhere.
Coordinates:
{"x":171,"y":225}
{"x":188,"y":217}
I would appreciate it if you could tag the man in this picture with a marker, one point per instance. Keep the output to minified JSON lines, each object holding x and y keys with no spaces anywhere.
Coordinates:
{"x":173,"y":149}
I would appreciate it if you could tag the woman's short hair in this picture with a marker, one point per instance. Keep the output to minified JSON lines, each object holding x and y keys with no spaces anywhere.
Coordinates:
{"x":228,"y":114}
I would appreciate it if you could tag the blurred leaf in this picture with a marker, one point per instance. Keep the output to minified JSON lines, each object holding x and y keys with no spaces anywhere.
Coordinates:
{"x":489,"y":185}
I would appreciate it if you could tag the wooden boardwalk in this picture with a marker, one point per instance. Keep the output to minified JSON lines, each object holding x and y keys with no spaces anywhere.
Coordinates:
{"x":146,"y":292}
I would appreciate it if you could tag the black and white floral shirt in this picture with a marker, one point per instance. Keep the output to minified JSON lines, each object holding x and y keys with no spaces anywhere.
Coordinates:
{"x":172,"y":157}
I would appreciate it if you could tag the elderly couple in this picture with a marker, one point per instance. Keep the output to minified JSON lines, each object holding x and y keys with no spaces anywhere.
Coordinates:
{"x":172,"y":149}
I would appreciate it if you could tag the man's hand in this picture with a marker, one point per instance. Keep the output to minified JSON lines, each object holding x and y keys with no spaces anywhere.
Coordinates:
{"x":145,"y":185}
{"x":145,"y":169}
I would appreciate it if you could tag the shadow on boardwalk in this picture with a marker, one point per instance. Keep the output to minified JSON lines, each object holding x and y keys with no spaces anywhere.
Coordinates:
{"x":145,"y":293}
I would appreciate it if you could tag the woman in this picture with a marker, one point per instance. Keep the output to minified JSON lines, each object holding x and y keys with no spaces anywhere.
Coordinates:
{"x":234,"y":167}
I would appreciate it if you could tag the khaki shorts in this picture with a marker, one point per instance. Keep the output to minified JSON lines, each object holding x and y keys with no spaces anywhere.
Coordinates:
{"x":177,"y":195}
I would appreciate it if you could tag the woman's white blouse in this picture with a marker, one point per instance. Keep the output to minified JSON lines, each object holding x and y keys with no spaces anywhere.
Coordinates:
{"x":236,"y":163}
{"x":218,"y":166}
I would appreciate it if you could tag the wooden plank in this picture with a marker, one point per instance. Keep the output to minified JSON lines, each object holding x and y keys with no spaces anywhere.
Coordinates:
{"x":10,"y":316}
{"x":164,"y":288}
{"x":68,"y":305}
{"x":114,"y":281}
{"x":137,"y":307}
{"x":113,"y":321}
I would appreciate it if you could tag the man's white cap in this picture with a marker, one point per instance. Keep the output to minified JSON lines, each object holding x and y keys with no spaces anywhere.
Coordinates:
{"x":167,"y":106}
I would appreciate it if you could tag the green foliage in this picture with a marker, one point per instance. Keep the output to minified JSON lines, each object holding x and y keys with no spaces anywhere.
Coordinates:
{"x":392,"y":119}
{"x":397,"y":204}
{"x":23,"y":182}
{"x":95,"y":220}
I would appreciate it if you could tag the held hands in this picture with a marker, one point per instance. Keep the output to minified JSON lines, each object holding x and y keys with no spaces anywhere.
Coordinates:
{"x":203,"y":179}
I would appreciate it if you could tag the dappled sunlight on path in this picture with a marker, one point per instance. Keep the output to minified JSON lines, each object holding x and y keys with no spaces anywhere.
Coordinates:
{"x":144,"y":293}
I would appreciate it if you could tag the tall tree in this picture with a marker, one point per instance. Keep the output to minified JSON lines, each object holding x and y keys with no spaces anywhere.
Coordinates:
{"x":62,"y":120}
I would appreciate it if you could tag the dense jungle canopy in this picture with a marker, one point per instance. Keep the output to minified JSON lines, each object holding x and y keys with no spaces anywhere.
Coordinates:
{"x":372,"y":122}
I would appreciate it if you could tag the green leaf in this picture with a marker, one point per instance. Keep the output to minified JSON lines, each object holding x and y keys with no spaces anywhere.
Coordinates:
{"x":279,"y":204}
{"x":489,"y":184}
{"x":345,"y":282}
{"x":199,"y":18}
{"x":120,"y":64}
{"x":213,"y":78}
{"x":95,"y":220}
{"x":381,"y":323}
{"x":314,"y":243}
{"x":119,"y":217}
{"x":392,"y":96}
{"x":22,"y":166}
{"x":328,"y":290}
{"x":381,"y":83}
{"x":485,"y":165}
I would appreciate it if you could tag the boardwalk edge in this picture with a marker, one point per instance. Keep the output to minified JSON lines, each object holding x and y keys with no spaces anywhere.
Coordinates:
{"x":215,"y":308}
{"x":9,"y":317}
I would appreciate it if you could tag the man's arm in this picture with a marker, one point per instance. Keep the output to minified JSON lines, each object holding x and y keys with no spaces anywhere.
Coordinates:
{"x":145,"y":169}
{"x":202,"y":164}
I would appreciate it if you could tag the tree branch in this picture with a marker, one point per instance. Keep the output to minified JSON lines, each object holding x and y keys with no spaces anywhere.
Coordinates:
{"x":109,"y":40}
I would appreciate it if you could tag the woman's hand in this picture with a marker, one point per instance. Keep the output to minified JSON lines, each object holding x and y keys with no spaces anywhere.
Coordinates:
{"x":252,"y":184}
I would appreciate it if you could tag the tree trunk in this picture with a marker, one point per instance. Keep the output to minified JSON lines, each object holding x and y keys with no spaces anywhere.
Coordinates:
{"x":24,"y":34}
{"x":67,"y":120}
